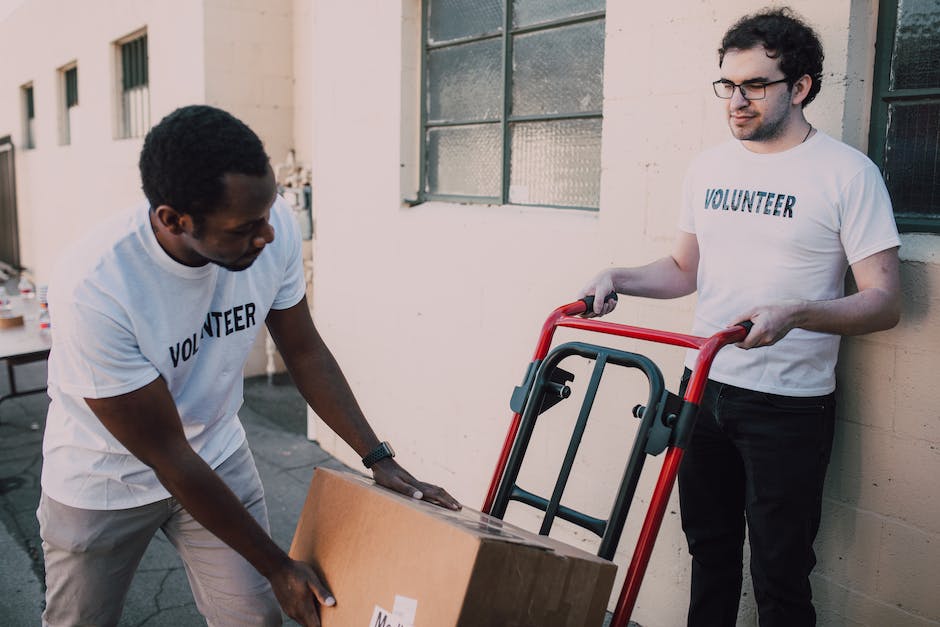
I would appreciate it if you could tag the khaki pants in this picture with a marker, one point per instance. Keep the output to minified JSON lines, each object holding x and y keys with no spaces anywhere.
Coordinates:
{"x":91,"y":557}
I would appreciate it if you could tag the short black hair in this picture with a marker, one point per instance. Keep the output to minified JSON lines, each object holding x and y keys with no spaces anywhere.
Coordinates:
{"x":186,"y":156}
{"x":784,"y":36}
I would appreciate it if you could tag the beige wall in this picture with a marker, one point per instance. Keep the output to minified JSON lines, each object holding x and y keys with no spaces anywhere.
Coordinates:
{"x":237,"y":55}
{"x":434,"y":310}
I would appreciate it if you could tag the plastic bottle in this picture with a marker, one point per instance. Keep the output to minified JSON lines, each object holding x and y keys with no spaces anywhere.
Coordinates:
{"x":45,"y":323}
{"x":26,"y":287}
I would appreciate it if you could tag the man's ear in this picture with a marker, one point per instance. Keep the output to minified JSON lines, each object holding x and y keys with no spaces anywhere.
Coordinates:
{"x":172,"y":220}
{"x":801,"y":89}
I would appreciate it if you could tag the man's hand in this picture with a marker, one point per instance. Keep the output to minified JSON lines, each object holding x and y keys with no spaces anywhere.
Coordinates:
{"x":771,"y":323}
{"x":389,"y":474}
{"x":296,"y":585}
{"x":599,"y":287}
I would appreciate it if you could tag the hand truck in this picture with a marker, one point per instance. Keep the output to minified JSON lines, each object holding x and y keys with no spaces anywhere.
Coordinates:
{"x":666,"y":423}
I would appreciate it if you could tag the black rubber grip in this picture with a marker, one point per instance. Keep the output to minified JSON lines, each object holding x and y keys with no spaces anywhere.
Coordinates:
{"x":589,"y":301}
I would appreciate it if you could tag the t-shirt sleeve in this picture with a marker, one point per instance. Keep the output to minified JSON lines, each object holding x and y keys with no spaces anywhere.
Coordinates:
{"x":293,"y":284}
{"x":868,"y":225}
{"x":97,"y":356}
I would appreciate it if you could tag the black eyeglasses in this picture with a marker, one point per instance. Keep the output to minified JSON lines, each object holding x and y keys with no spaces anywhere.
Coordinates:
{"x":749,"y":90}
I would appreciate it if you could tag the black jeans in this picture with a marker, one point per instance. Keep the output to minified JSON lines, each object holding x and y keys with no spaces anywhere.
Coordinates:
{"x":761,"y":458}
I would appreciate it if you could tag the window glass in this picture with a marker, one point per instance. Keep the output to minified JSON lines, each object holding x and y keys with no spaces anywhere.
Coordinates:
{"x":911,"y":159}
{"x":916,"y":45}
{"x":528,"y":12}
{"x":524,"y":105}
{"x":464,"y":160}
{"x":559,"y":70}
{"x":455,"y":19}
{"x":465,"y":82}
{"x":135,"y":89}
{"x":556,"y":163}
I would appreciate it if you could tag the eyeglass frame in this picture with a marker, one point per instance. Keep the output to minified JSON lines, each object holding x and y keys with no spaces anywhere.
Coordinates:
{"x":744,"y":86}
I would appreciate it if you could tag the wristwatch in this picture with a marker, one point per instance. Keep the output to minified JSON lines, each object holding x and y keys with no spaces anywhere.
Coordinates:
{"x":377,"y":454}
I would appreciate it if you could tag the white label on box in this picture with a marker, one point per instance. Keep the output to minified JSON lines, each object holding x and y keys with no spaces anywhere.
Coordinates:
{"x":405,"y":610}
{"x":384,"y":618}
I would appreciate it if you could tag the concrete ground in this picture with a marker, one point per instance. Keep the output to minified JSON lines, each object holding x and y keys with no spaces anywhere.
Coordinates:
{"x":274,"y":416}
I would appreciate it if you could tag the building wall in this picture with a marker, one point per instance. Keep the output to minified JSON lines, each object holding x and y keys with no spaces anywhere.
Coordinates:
{"x":433,"y":310}
{"x":63,"y":191}
{"x":237,"y":55}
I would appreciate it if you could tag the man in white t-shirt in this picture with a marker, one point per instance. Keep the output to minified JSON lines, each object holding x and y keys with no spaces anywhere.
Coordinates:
{"x":154,"y":315}
{"x":770,"y":222}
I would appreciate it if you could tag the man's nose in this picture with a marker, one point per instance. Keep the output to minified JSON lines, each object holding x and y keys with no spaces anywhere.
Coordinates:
{"x":265,"y":236}
{"x":738,"y":100}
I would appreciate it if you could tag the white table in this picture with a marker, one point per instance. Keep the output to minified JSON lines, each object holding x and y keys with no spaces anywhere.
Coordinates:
{"x":22,"y":345}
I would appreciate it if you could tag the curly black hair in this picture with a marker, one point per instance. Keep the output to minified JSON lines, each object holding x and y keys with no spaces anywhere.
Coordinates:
{"x":784,"y":36}
{"x":186,"y":156}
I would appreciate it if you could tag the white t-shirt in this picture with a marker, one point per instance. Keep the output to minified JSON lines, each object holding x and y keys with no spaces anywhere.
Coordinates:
{"x":124,"y":313}
{"x":779,"y":226}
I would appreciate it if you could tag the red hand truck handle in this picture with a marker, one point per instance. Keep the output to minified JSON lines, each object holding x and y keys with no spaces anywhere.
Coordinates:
{"x":568,"y":316}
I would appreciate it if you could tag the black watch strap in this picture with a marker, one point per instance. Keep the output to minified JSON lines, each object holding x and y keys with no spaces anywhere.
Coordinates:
{"x":377,"y":454}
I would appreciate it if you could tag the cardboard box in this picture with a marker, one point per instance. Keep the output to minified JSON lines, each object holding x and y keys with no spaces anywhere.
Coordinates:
{"x":382,"y":554}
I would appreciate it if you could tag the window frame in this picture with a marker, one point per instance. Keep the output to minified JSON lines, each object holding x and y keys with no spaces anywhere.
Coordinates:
{"x":123,"y":125}
{"x":882,"y":96}
{"x":28,"y":102}
{"x":506,"y":118}
{"x":65,"y":106}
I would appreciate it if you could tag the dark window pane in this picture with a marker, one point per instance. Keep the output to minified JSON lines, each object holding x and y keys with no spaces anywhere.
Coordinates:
{"x":454,"y":19}
{"x":559,"y":70}
{"x":465,"y":82}
{"x":556,"y":163}
{"x":528,"y":12}
{"x":134,"y":63}
{"x":912,"y":166}
{"x":71,"y":87}
{"x":916,"y":45}
{"x":464,"y":160}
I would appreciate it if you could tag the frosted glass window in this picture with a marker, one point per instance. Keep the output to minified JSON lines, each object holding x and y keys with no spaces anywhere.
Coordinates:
{"x":513,"y":116}
{"x":556,"y":163}
{"x":559,"y":70}
{"x":464,"y":160}
{"x":528,"y":12}
{"x":456,"y":19}
{"x":465,"y":82}
{"x":916,"y":45}
{"x":905,"y":122}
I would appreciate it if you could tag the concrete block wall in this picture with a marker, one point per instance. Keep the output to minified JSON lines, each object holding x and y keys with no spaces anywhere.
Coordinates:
{"x":249,"y":66}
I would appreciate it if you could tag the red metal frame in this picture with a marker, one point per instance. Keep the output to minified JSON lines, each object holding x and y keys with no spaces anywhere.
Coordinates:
{"x":708,"y":347}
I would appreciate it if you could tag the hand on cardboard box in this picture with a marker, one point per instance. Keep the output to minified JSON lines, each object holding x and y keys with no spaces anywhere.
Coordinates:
{"x":293,"y":584}
{"x":389,"y":474}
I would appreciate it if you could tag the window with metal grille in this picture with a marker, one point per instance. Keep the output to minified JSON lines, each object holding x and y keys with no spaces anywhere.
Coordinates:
{"x":905,"y":130}
{"x":29,"y":117}
{"x":135,"y":87}
{"x":512,"y":94}
{"x":68,"y":81}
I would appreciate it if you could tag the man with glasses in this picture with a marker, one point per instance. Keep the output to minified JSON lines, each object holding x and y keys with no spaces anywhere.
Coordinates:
{"x":770,"y":222}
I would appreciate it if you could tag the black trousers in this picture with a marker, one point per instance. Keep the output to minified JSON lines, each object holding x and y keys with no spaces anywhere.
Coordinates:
{"x":759,"y":459}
